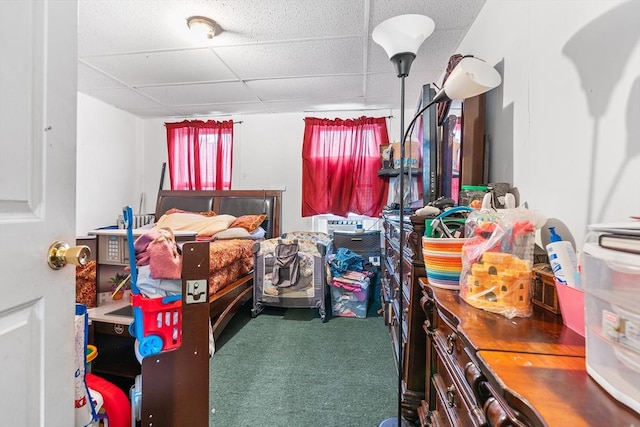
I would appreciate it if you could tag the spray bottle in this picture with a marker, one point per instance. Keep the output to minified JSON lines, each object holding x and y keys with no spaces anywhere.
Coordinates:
{"x":562,"y":258}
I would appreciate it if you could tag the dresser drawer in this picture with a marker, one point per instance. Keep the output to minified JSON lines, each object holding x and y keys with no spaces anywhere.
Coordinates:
{"x":454,"y":400}
{"x":453,"y":345}
{"x":392,"y":234}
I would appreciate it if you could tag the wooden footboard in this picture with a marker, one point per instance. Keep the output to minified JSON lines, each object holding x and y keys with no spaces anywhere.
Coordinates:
{"x":175,"y":383}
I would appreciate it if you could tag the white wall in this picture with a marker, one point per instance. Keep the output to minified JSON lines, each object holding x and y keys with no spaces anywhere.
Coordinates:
{"x":564,"y":124}
{"x":109,"y":157}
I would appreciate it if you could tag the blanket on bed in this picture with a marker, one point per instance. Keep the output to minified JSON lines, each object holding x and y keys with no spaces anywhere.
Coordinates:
{"x":231,"y":241}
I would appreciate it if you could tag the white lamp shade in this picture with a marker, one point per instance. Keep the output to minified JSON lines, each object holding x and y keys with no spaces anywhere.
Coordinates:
{"x":403,"y":33}
{"x":471,"y":77}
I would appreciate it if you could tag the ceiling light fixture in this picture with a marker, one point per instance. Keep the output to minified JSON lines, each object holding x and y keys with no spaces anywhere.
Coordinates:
{"x":203,"y":26}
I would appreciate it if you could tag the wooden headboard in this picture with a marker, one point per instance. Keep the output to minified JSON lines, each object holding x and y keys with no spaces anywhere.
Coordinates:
{"x":232,"y":202}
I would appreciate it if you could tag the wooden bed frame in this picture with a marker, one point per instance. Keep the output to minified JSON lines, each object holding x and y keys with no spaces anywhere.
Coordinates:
{"x":227,"y":301}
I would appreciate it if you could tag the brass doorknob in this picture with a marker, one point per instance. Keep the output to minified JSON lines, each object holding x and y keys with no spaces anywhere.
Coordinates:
{"x":61,"y":254}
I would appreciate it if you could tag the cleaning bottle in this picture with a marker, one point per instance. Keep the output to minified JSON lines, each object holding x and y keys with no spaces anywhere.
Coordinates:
{"x":562,"y":258}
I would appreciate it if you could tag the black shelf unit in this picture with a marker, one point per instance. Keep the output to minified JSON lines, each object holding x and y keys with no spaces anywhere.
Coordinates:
{"x":395,"y":172}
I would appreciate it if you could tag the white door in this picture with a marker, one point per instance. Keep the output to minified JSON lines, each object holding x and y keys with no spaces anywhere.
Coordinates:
{"x":38,"y":69}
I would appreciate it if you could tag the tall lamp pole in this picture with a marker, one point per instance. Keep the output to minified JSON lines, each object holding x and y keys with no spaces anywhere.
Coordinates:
{"x":401,"y":37}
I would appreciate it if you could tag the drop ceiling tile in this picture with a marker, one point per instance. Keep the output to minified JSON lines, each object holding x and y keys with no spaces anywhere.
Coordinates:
{"x":308,"y":87}
{"x":445,"y":14}
{"x":388,"y":85}
{"x":318,"y":57}
{"x":156,"y":112}
{"x":433,"y":53}
{"x":217,"y":111}
{"x":254,"y":20}
{"x":183,"y":66}
{"x":117,"y":26}
{"x":317,"y":107}
{"x":206,"y":93}
{"x":123,"y":98}
{"x":89,"y":78}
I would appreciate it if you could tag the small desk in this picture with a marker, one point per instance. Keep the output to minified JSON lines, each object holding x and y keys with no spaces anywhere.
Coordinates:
{"x":116,"y":360}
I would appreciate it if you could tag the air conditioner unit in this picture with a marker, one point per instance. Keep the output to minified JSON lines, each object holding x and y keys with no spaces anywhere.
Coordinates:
{"x":329,"y":223}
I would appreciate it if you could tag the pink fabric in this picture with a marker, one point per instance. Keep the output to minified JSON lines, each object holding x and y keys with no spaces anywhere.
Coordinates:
{"x":340,"y":163}
{"x":141,"y":244}
{"x":164,"y":260}
{"x":158,"y":250}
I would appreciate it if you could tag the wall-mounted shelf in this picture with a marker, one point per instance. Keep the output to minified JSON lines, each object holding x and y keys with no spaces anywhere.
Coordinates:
{"x":396,"y":172}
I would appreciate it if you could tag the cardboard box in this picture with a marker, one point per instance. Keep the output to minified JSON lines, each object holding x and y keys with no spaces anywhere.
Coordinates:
{"x":411,"y":154}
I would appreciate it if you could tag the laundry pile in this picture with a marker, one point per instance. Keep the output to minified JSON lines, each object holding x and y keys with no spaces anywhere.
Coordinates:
{"x":349,"y":285}
{"x":159,"y":263}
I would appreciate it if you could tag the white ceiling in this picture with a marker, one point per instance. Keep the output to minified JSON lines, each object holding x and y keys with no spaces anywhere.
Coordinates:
{"x":273,"y":56}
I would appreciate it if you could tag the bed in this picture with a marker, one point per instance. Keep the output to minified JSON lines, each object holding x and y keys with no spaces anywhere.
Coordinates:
{"x":230,"y":260}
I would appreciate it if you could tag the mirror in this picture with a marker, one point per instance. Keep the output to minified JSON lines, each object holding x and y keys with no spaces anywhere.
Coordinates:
{"x":451,"y":143}
{"x":454,"y":149}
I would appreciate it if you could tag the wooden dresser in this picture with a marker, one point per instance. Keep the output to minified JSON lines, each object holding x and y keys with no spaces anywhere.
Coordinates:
{"x":487,"y":370}
{"x":413,"y":317}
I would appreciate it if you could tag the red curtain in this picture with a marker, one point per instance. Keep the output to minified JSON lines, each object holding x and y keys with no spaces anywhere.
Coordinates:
{"x":200,"y":154}
{"x":340,"y":163}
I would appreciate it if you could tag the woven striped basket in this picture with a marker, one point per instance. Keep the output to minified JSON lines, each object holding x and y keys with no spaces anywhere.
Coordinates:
{"x":443,"y":261}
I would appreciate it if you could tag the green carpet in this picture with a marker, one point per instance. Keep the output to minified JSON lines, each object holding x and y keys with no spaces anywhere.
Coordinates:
{"x":287,"y":368}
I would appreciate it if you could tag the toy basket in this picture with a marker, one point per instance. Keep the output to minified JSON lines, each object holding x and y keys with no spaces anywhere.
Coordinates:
{"x":157,"y":322}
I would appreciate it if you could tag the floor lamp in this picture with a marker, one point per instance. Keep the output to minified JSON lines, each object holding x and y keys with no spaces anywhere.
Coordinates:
{"x":401,"y":36}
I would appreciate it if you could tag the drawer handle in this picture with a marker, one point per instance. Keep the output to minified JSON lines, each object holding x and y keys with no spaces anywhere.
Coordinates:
{"x":473,"y":376}
{"x":451,"y":342}
{"x":498,"y":412}
{"x":451,"y":396}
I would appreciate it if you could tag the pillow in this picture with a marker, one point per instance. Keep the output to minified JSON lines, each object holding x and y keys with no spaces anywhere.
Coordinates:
{"x":258,"y":233}
{"x":240,"y":233}
{"x":249,"y":222}
{"x":232,"y":233}
{"x":203,"y":226}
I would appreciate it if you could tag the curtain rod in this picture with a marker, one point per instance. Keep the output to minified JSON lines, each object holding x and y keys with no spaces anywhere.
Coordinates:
{"x":386,"y":117}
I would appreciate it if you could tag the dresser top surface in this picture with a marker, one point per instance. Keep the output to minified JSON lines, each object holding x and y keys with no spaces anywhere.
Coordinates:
{"x":541,"y":333}
{"x":558,"y":387}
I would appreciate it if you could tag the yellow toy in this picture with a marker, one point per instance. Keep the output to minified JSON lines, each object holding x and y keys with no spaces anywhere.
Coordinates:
{"x":500,"y":282}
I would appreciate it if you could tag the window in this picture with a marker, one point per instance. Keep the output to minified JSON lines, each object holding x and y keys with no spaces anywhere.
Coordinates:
{"x":200,"y":154}
{"x":340,"y":163}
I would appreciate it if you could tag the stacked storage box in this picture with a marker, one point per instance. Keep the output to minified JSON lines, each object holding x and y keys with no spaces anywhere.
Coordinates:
{"x":611,"y":282}
{"x":350,"y":294}
{"x":367,"y":244}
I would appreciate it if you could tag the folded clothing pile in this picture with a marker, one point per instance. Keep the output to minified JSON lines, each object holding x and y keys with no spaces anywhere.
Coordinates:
{"x":350,"y":294}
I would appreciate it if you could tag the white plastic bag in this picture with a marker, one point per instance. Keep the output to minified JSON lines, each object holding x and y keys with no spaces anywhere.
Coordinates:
{"x":497,"y":258}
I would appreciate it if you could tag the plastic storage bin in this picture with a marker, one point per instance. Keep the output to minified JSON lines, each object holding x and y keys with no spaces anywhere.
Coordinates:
{"x":611,"y":282}
{"x":350,"y":301}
